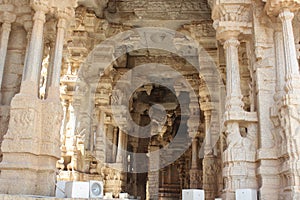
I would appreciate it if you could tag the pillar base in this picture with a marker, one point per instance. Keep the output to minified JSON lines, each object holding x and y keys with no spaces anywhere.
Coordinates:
{"x":210,"y":177}
{"x":27,"y":174}
{"x":153,"y":185}
{"x":228,"y":195}
{"x":195,"y":179}
{"x":31,"y":147}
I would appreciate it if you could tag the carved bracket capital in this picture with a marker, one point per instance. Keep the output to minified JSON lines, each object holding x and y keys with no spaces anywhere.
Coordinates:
{"x":232,"y":17}
{"x":275,"y":7}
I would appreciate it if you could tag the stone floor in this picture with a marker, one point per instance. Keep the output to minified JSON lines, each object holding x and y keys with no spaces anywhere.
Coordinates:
{"x":28,"y":197}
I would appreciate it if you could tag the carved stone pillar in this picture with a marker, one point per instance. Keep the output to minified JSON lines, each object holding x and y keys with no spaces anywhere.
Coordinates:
{"x":66,"y":108}
{"x":269,"y":157}
{"x":209,"y":176}
{"x":62,"y":16}
{"x":120,"y":152}
{"x":195,"y":173}
{"x":239,"y":167}
{"x":239,"y":157}
{"x":234,"y":106}
{"x":50,"y":67}
{"x":6,"y":29}
{"x":153,"y":173}
{"x":292,"y":85}
{"x":209,"y":161}
{"x":280,"y":64}
{"x":289,"y":112}
{"x":31,"y":145}
{"x":100,"y":137}
{"x":233,"y":86}
{"x":115,"y":142}
{"x":195,"y":153}
{"x":208,"y":149}
{"x":103,"y":100}
{"x":193,"y":130}
{"x":33,"y":60}
{"x":135,"y":166}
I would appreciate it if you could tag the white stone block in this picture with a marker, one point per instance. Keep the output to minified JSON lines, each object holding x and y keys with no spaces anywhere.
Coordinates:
{"x":193,"y":194}
{"x":246,"y":194}
{"x":76,"y":189}
{"x":123,"y":196}
{"x":60,"y":189}
{"x":108,"y":195}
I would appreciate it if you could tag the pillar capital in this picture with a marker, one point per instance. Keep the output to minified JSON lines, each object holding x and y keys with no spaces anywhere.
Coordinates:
{"x":231,"y":17}
{"x":62,"y":23}
{"x":274,"y":8}
{"x":207,"y":113}
{"x":232,"y":41}
{"x":286,"y":14}
{"x":6,"y":26}
{"x":64,"y":10}
{"x":64,"y":14}
{"x":40,"y":15}
{"x":7,"y":18}
{"x":40,"y":6}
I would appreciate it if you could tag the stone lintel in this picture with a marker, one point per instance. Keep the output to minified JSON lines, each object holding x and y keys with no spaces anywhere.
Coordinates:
{"x":241,"y":116}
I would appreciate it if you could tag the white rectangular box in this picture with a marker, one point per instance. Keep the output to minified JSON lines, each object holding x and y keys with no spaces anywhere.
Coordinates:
{"x":60,"y":189}
{"x":77,"y":189}
{"x":108,"y":195}
{"x":246,"y":194}
{"x":123,"y":196}
{"x":193,"y":194}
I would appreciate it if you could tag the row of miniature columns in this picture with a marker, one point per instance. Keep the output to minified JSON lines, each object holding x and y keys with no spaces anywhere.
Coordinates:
{"x":34,"y":54}
{"x":287,"y":66}
{"x":33,"y":58}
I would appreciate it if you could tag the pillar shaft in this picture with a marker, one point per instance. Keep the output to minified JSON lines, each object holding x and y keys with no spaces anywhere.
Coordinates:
{"x":120,"y":151}
{"x":6,"y":29}
{"x":209,"y":176}
{"x":50,"y":66}
{"x":135,"y":175}
{"x":208,"y":143}
{"x":115,"y":142}
{"x":194,"y":153}
{"x":195,"y":179}
{"x":234,"y":95}
{"x":290,"y":120}
{"x":30,"y":81}
{"x":153,"y":173}
{"x":292,"y":68}
{"x":66,"y":120}
{"x":57,"y":60}
{"x":280,"y":64}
